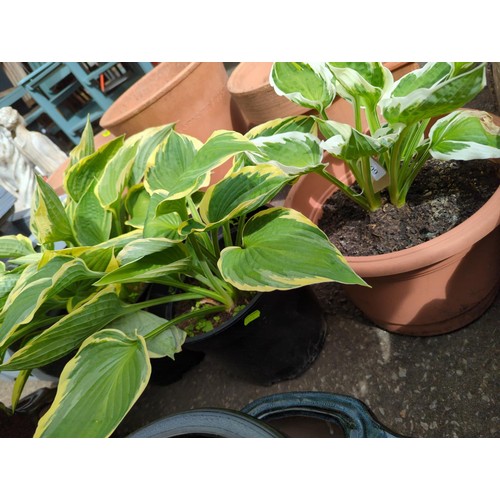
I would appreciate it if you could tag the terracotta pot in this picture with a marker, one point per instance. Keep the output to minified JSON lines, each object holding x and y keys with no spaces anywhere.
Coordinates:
{"x":258,"y":102}
{"x":433,"y":288}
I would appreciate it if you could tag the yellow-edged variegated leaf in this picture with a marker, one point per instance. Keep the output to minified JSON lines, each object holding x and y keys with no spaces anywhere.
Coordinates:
{"x":173,"y":259}
{"x":281,"y":250}
{"x":82,"y":174}
{"x":137,"y":205}
{"x":86,"y":147}
{"x":70,"y":331}
{"x":171,"y":172}
{"x":32,"y":258}
{"x":365,"y":82}
{"x":15,"y":246}
{"x":113,"y":180}
{"x":165,"y":225}
{"x":8,"y":281}
{"x":118,"y":242}
{"x":431,"y":91}
{"x":150,"y":139}
{"x":50,"y":280}
{"x":19,"y":384}
{"x":167,"y":343}
{"x":142,"y":247}
{"x":308,"y":85}
{"x":465,"y":135}
{"x":295,"y":153}
{"x":48,"y":221}
{"x":98,"y":386}
{"x":241,"y":192}
{"x":345,"y":142}
{"x":92,"y":223}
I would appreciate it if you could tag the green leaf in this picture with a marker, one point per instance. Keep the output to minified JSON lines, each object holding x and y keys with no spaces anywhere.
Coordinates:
{"x":156,"y":265}
{"x":19,"y":384}
{"x":165,"y":225}
{"x":304,"y":124}
{"x":137,"y":205}
{"x":241,"y":192}
{"x":431,"y":91}
{"x":98,"y":387}
{"x":92,"y":222}
{"x":167,"y":343}
{"x":49,"y":221}
{"x":7,"y":283}
{"x":308,"y":85}
{"x":172,"y":172}
{"x":282,"y":250}
{"x":15,"y":246}
{"x":86,"y":146}
{"x":141,"y":247}
{"x":345,"y":142}
{"x":365,"y":82}
{"x":118,"y":242}
{"x":69,"y":332}
{"x":79,"y":176}
{"x":465,"y":135}
{"x":295,"y":153}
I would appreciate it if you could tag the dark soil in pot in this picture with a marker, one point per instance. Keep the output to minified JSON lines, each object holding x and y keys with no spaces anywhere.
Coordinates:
{"x":443,"y":195}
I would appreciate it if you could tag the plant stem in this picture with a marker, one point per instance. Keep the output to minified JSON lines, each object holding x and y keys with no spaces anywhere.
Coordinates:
{"x":358,"y":198}
{"x":191,"y":288}
{"x":373,"y":119}
{"x":394,"y":168}
{"x":196,"y":216}
{"x":239,"y":233}
{"x":183,"y":317}
{"x":357,"y":115}
{"x":175,"y":297}
{"x":373,"y":198}
{"x":226,"y":231}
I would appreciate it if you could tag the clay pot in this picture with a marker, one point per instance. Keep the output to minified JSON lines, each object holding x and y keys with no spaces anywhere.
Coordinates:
{"x":433,"y":288}
{"x":259,"y":103}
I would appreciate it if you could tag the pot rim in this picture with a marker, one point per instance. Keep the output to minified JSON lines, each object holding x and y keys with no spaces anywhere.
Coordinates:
{"x":117,"y":113}
{"x":233,"y":79}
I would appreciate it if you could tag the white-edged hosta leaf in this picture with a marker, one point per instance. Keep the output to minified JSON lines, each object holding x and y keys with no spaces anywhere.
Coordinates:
{"x":69,"y":332}
{"x":92,"y":223}
{"x":171,"y":260}
{"x":50,"y":222}
{"x":345,"y":142}
{"x":172,"y":171}
{"x":295,"y":153}
{"x":15,"y":246}
{"x":308,"y":85}
{"x":465,"y":135}
{"x":98,"y":387}
{"x":241,"y":192}
{"x":365,"y":82}
{"x":142,"y":247}
{"x":86,"y":146}
{"x":150,"y":139}
{"x":164,"y":225}
{"x":430,"y":92}
{"x":304,"y":124}
{"x":79,"y":176}
{"x":167,"y":343}
{"x":281,"y":250}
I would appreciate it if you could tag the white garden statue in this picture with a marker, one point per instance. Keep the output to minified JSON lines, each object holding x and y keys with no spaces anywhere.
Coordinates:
{"x":21,"y":151}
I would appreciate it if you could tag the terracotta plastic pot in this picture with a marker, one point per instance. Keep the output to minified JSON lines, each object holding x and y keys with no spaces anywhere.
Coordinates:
{"x":433,"y":288}
{"x":258,"y":102}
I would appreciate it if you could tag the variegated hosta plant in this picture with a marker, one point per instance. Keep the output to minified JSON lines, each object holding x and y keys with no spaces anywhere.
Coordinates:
{"x":141,"y":211}
{"x":398,"y":115}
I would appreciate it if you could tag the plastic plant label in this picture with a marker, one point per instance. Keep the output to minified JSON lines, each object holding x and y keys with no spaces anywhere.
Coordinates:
{"x":379,"y":176}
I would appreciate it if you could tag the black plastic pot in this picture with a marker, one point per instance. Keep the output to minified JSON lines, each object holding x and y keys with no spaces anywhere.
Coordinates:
{"x":317,"y":414}
{"x":281,"y":342}
{"x":211,"y":423}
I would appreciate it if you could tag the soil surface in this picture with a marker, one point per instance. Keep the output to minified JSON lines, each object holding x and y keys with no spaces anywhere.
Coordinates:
{"x":443,"y":195}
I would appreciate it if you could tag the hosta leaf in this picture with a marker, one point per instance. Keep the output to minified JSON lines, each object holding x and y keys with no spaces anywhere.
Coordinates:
{"x":281,"y":250}
{"x":430,"y":92}
{"x":142,"y":247}
{"x":345,"y":142}
{"x":165,"y":225}
{"x":15,"y":246}
{"x":150,"y":139}
{"x":118,"y":242}
{"x":171,"y":260}
{"x":295,"y":153}
{"x":50,"y":222}
{"x":79,"y":176}
{"x":86,"y":146}
{"x":7,"y":283}
{"x":92,"y":222}
{"x":241,"y":192}
{"x":167,"y":343}
{"x":172,"y":171}
{"x":137,"y":205}
{"x":69,"y":332}
{"x":308,"y":85}
{"x":465,"y":135}
{"x":304,"y":124}
{"x":363,"y":81}
{"x":98,"y":386}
